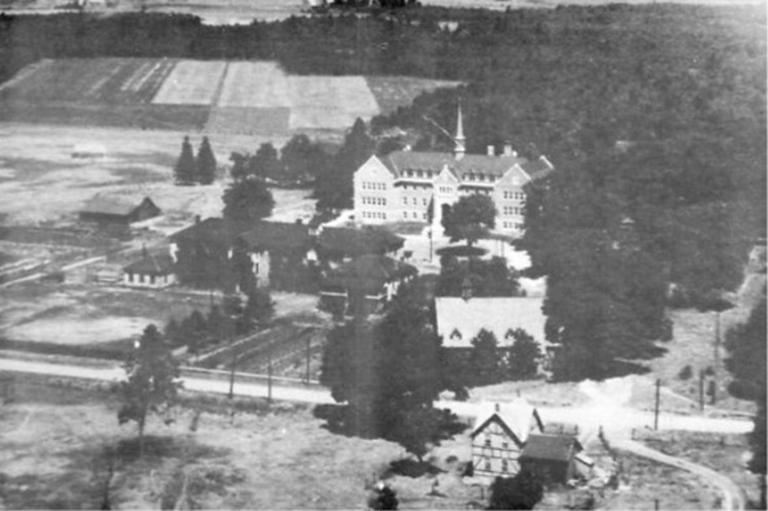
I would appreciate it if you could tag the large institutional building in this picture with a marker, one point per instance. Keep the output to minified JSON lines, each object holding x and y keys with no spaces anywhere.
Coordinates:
{"x":400,"y":186}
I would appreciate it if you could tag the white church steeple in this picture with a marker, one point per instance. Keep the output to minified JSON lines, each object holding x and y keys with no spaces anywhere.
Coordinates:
{"x":460,"y":140}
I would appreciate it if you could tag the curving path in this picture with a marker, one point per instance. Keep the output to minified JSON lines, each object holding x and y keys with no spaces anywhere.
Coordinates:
{"x":733,"y":496}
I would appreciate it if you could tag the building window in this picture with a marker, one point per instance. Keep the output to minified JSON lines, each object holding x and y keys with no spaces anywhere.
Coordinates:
{"x":405,"y":200}
{"x":405,"y":214}
{"x":487,"y":441}
{"x":504,"y":466}
{"x":415,"y":201}
{"x":487,"y":465}
{"x":505,"y":445}
{"x":424,"y":201}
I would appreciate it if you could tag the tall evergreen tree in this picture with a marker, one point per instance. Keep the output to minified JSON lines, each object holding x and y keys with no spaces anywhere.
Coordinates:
{"x":184,"y":171}
{"x":334,"y":187}
{"x":152,"y":382}
{"x":205,"y":163}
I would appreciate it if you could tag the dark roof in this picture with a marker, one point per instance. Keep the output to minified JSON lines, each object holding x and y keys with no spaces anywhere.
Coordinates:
{"x":497,"y":166}
{"x":551,"y":447}
{"x":278,"y":236}
{"x":356,"y":242}
{"x":368,"y":273}
{"x":212,"y":230}
{"x":113,"y":205}
{"x":152,"y":264}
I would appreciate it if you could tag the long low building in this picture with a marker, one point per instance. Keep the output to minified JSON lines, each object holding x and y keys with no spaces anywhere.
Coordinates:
{"x":459,"y":320}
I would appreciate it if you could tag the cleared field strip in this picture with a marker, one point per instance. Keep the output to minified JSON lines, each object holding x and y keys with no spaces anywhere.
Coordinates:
{"x":249,"y":121}
{"x":254,"y":97}
{"x":191,"y":83}
{"x":392,"y":92}
{"x":255,"y":85}
{"x":328,"y":102}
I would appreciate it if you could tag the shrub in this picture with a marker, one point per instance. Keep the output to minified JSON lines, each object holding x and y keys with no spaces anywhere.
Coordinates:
{"x":685,"y":373}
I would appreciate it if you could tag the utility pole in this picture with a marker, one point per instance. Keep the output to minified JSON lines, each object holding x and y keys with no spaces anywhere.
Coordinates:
{"x":232,"y":375}
{"x":269,"y":376}
{"x":701,"y":389}
{"x":717,"y":356}
{"x":656,"y":410}
{"x":309,"y":345}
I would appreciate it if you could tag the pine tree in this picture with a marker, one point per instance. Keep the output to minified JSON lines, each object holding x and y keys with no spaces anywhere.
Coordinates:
{"x":205,"y":163}
{"x":152,"y":382}
{"x":184,"y":171}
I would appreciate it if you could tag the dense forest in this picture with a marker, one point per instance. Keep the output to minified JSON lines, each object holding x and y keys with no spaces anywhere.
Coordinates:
{"x":654,"y":117}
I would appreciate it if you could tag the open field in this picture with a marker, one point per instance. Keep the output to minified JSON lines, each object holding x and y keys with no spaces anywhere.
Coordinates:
{"x":81,"y":315}
{"x":41,"y":182}
{"x":56,"y":445}
{"x":249,"y":97}
{"x":726,"y":454}
{"x":191,"y":83}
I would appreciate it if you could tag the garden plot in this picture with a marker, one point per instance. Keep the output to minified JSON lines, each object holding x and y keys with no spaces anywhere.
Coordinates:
{"x":191,"y":82}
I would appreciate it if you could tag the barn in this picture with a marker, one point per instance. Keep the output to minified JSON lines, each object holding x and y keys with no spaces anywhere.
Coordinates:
{"x":103,"y":209}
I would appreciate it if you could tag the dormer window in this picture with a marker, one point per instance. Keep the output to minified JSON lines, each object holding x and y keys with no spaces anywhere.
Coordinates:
{"x":456,"y":335}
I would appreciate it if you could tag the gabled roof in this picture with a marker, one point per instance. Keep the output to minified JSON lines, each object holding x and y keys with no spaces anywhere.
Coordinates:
{"x":499,"y":315}
{"x":215,"y":231}
{"x":113,"y":205}
{"x":356,"y":242}
{"x":368,"y":273}
{"x":152,"y":264}
{"x":279,"y":236}
{"x":551,"y":447}
{"x":518,"y":418}
{"x":497,"y":166}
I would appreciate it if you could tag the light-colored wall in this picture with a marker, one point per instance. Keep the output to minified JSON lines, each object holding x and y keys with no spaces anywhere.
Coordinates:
{"x":138,"y":280}
{"x":488,"y":461}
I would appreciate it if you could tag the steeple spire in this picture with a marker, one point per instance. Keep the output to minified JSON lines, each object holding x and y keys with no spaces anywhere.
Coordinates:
{"x":460,"y":140}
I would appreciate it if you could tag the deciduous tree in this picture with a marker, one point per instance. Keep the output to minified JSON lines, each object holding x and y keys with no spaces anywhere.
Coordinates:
{"x":523,"y":491}
{"x":248,"y":201}
{"x":471,"y":218}
{"x":152,"y":382}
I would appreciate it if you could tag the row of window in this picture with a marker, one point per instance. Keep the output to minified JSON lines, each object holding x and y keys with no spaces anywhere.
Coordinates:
{"x":512,"y":210}
{"x":504,"y":443}
{"x":370,"y":185}
{"x":415,"y":215}
{"x":374,"y":201}
{"x":514,"y":195}
{"x":445,"y":189}
{"x":415,"y":201}
{"x":504,"y":465}
{"x":518,"y":226}
{"x":380,"y":215}
{"x":479,"y":177}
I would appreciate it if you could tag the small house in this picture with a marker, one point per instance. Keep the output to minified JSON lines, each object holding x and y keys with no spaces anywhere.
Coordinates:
{"x":555,"y":459}
{"x":107,"y":210}
{"x":152,"y":271}
{"x":499,"y":437}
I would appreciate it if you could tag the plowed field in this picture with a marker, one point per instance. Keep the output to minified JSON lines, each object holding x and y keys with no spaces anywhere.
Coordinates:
{"x":187,"y":95}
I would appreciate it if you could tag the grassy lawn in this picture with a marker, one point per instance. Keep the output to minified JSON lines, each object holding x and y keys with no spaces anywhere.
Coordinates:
{"x":646,"y":481}
{"x":75,"y":314}
{"x":726,"y":454}
{"x":55,"y":445}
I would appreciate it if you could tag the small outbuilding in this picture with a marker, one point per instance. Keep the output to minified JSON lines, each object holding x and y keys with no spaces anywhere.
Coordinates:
{"x":152,"y":271}
{"x":110,"y":210}
{"x":556,"y":459}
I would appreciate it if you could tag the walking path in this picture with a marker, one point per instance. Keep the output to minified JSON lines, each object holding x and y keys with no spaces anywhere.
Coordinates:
{"x":606,"y":411}
{"x":733,"y":496}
